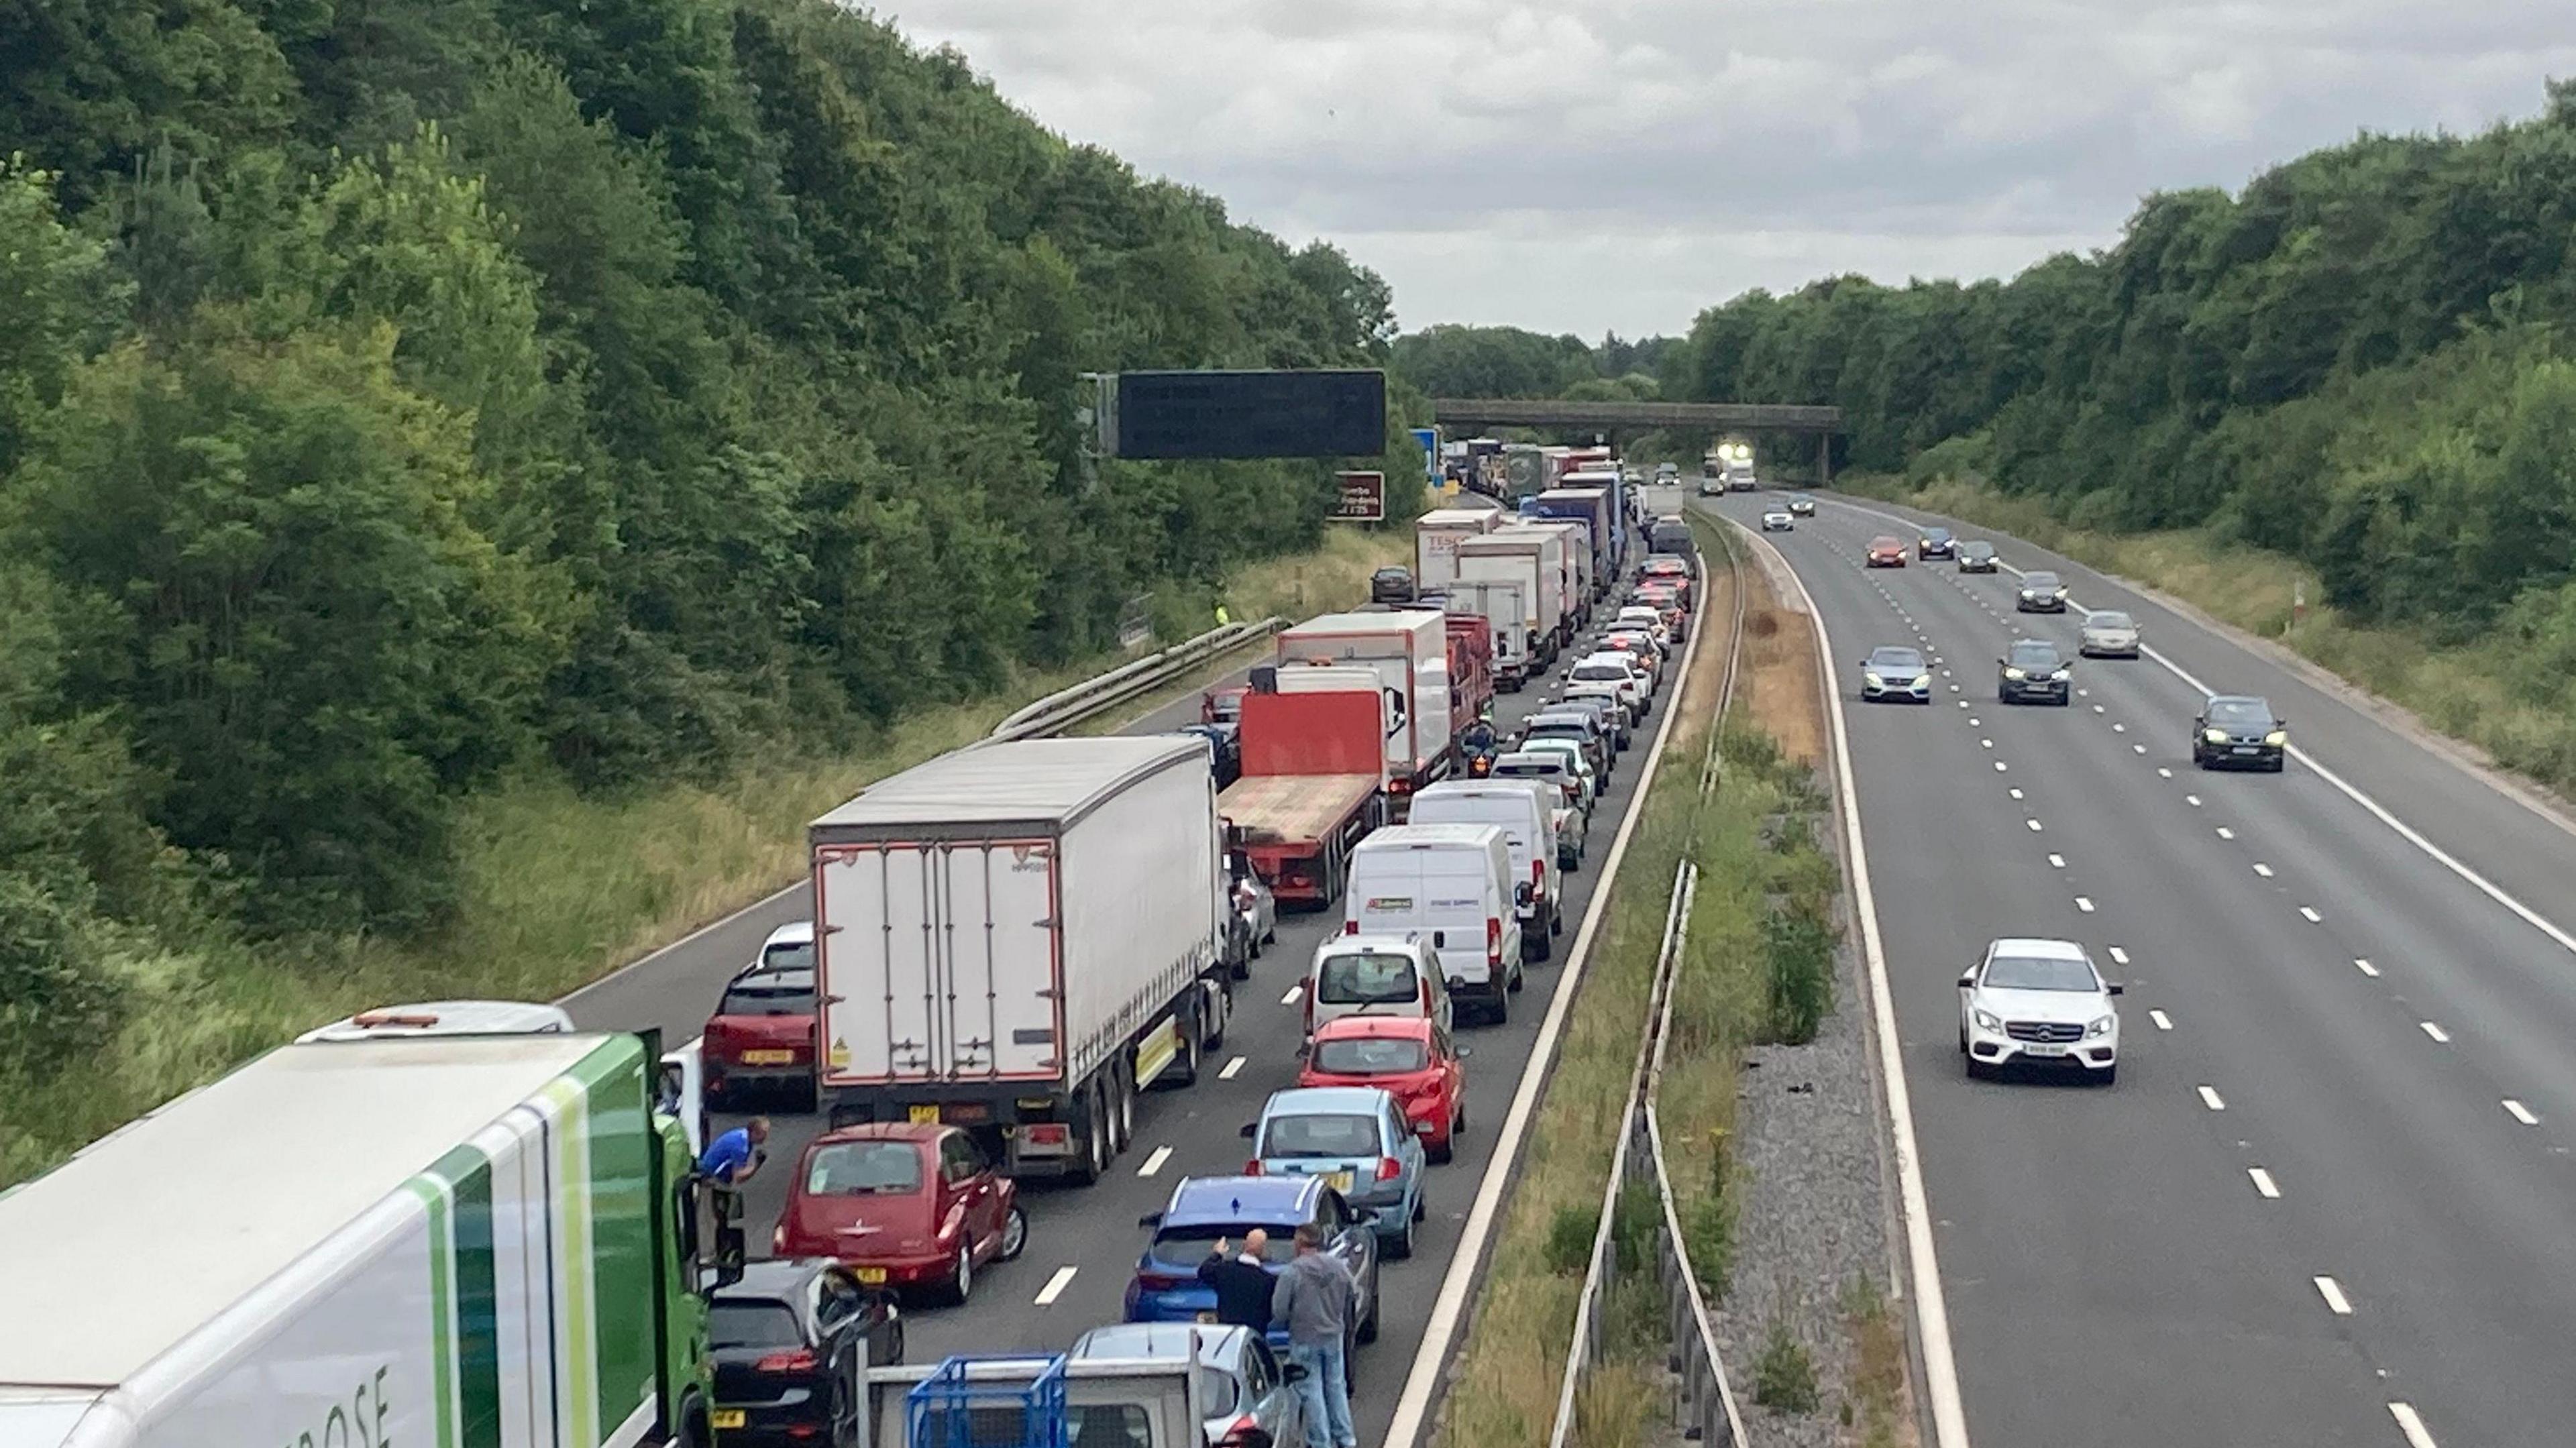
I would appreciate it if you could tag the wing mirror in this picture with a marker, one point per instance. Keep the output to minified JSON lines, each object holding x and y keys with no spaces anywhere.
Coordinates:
{"x":2115,"y":988}
{"x":1150,"y":1219}
{"x":1967,"y":980}
{"x":1249,"y":1127}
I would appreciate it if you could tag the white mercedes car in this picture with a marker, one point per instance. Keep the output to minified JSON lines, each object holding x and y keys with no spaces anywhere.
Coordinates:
{"x":2039,"y":1003}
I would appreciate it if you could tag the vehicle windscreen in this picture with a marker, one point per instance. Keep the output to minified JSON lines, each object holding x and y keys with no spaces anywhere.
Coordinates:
{"x":865,"y":1169}
{"x":1937,"y":535}
{"x":1896,"y":661}
{"x":770,"y":993}
{"x":1366,"y":978}
{"x":1319,"y":1136}
{"x":1976,"y":550}
{"x":2033,"y":656}
{"x":2109,"y":618}
{"x":2239,"y":713}
{"x":798,"y":956}
{"x":2016,"y":972}
{"x":1370,"y":1056}
{"x":1884,"y":543}
{"x":2038,"y":581}
{"x":1605,"y":673}
{"x":752,"y":1322}
{"x":1187,"y":1247}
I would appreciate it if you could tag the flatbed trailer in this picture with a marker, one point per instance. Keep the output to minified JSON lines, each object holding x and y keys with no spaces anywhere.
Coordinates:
{"x":1311,"y":789}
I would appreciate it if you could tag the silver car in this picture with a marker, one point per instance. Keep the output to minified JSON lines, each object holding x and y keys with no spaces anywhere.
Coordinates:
{"x":1241,"y":1382}
{"x":1256,"y":910}
{"x":1892,"y":672}
{"x":2108,"y":634}
{"x":1778,"y":520}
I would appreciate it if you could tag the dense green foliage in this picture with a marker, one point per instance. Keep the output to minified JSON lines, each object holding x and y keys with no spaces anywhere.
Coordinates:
{"x":401,"y":395}
{"x":1450,"y":360}
{"x":2363,"y":361}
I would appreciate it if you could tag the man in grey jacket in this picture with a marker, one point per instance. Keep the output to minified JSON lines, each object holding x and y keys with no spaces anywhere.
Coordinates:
{"x":1315,"y":1299}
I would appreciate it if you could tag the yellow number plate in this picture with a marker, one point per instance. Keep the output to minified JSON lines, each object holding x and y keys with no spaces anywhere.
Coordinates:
{"x":870,"y":1275}
{"x":725,"y":1418}
{"x":767,"y":1058}
{"x":1340,"y":1180}
{"x":926,"y":1115}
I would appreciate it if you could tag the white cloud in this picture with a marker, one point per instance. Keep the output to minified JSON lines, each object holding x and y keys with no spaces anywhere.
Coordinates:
{"x":1618,"y":164}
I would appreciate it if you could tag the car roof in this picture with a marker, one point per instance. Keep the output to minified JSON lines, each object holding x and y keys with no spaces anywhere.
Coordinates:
{"x":1374,"y":942}
{"x":1324,"y":1101}
{"x":1197,"y":1200}
{"x":2032,"y":947}
{"x":1408,"y":1027}
{"x":1164,"y":1341}
{"x":794,"y":932}
{"x":1553,"y":758}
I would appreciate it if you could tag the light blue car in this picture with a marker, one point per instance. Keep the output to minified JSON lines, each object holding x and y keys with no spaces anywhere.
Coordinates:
{"x":1355,"y":1138}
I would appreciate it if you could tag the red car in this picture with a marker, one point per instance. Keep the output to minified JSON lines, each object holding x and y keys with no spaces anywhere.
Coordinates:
{"x":761,"y":1037}
{"x":1886,"y":552}
{"x":904,"y":1205}
{"x":1410,"y":1058}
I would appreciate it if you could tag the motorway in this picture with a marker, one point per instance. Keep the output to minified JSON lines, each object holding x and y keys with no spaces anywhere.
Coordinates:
{"x":2329,"y":1200}
{"x":1083,"y":1242}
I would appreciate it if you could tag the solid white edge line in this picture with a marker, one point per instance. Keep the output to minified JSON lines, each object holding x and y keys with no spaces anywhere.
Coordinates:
{"x":712,"y":926}
{"x":1155,"y":1162}
{"x":2411,"y":1423}
{"x":2332,"y":1292}
{"x":1056,"y":1285}
{"x":1931,"y":1310}
{"x":2520,"y":1112}
{"x":2263,"y":1183}
{"x":1457,"y":1285}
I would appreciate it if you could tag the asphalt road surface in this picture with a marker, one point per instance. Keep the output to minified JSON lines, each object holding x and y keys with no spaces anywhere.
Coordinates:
{"x":2329,"y":1200}
{"x":1083,"y":1242}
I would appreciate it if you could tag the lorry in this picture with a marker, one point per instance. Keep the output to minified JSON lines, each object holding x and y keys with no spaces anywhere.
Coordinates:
{"x":1534,"y":559}
{"x":1408,"y":650}
{"x":1436,"y":536}
{"x":1497,"y":606}
{"x":1016,"y":938}
{"x":1582,"y":584}
{"x":368,"y":1244}
{"x":1314,"y":779}
{"x":1596,"y":505}
{"x":1471,"y":671}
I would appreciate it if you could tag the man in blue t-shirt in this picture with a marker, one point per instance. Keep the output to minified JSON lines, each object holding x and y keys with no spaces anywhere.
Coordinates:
{"x":733,"y":1157}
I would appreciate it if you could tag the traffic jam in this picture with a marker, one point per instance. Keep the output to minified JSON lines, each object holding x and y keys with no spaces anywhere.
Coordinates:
{"x":1008,"y":944}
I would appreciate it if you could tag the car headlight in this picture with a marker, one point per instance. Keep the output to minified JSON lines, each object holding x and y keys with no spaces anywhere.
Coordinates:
{"x":2101,"y":1027}
{"x":2277,"y":737}
{"x":1988,"y":1021}
{"x":2214,"y":736}
{"x":2059,"y":675}
{"x":1873,"y":680}
{"x":1923,"y":681}
{"x":2030,"y":593}
{"x":2013,"y":673}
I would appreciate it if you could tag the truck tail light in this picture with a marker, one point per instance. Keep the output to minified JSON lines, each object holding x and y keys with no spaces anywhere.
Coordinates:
{"x":1388,"y":1168}
{"x":1047,"y":1133}
{"x":1493,"y":943}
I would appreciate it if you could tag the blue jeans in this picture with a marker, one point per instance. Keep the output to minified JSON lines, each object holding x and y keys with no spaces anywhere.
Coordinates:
{"x":1324,"y":1396}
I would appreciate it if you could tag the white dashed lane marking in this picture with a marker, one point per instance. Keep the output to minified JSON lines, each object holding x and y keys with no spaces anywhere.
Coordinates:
{"x":2163,"y":1022}
{"x":2262,"y":869}
{"x":2435,"y":1031}
{"x":2057,"y":862}
{"x":2310,"y":914}
{"x":2263,"y":1183}
{"x":2411,"y":1423}
{"x":2119,"y":956}
{"x":1056,"y":1285}
{"x":2210,"y":1098}
{"x":2520,"y":1112}
{"x":2084,"y":903}
{"x":2225,"y":833}
{"x":2332,"y":1292}
{"x":1294,"y":995}
{"x":1231,"y":1068}
{"x":1155,"y":1162}
{"x":2365,"y":967}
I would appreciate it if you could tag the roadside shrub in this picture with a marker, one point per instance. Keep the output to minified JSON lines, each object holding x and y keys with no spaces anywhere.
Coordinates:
{"x":56,"y":991}
{"x":1569,"y":1239}
{"x":1784,"y":1380}
{"x":1798,"y":947}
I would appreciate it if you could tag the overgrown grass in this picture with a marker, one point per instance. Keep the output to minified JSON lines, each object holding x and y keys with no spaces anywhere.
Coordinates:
{"x":2464,"y":689}
{"x":1876,"y":1406}
{"x":558,"y":888}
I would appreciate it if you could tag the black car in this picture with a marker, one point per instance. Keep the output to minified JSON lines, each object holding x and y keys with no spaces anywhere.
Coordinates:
{"x":2031,"y":672}
{"x":789,"y":1340}
{"x":1976,"y":556}
{"x":2239,"y":731}
{"x":1935,"y":543}
{"x":1582,"y":726}
{"x":2041,"y":592}
{"x":1391,"y":585}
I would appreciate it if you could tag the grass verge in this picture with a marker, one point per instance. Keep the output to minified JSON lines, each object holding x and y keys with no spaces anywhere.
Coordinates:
{"x":558,"y":888}
{"x":2466,"y":690}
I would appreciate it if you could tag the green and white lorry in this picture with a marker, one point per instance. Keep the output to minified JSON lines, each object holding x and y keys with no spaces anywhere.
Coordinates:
{"x":432,"y":1242}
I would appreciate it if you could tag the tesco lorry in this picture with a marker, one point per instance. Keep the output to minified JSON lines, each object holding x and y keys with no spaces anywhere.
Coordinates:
{"x":1018,"y":937}
{"x":1436,"y":536}
{"x":1408,"y":651}
{"x":1534,"y":559}
{"x":1498,"y":606}
{"x":424,"y":1240}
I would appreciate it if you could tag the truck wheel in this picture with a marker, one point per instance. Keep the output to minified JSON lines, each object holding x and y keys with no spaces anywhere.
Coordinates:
{"x":1185,"y":1066}
{"x":1092,"y":1132}
{"x":1126,"y":1117}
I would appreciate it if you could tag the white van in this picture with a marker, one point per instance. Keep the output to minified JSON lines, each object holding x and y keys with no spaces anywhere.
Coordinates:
{"x":1522,"y":810}
{"x":1454,"y":883}
{"x":1376,"y":975}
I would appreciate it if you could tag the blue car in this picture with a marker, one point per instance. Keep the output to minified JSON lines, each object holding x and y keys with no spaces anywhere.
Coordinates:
{"x":1356,"y":1139}
{"x":1166,"y":1287}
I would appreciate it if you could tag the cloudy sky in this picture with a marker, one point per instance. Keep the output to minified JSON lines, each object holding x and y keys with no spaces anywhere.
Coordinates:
{"x":1618,"y":164}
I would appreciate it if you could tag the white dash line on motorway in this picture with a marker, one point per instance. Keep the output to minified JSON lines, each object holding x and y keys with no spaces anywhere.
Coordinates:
{"x":2332,"y":1292}
{"x":2263,"y":1183}
{"x":2262,"y":869}
{"x":2311,"y":915}
{"x":1964,"y":704}
{"x":1232,"y":1069}
{"x":2137,"y":749}
{"x":2225,"y":833}
{"x":2057,"y":862}
{"x":2163,"y":773}
{"x":2163,"y":1022}
{"x":1155,"y":1162}
{"x":2084,"y":903}
{"x":2520,"y":1112}
{"x":2000,"y":766}
{"x":2119,"y":956}
{"x":2411,"y":1423}
{"x":2210,"y":1098}
{"x":2365,"y":967}
{"x":2119,"y":728}
{"x":2435,"y":1031}
{"x":2034,"y":825}
{"x":2016,"y":791}
{"x":1987,"y":742}
{"x":2192,"y":799}
{"x":1973,"y":721}
{"x":2097,"y":708}
{"x":1295,"y":993}
{"x":1056,"y":1285}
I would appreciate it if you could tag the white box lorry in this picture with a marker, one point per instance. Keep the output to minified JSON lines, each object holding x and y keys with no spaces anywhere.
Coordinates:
{"x":1535,"y":559}
{"x":1505,"y":609}
{"x":1436,"y":536}
{"x":1580,"y":589}
{"x":1409,"y":652}
{"x":1017,"y":938}
{"x":442,"y":1241}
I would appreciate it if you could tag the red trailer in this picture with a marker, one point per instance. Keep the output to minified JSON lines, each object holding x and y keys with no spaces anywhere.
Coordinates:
{"x":1312,"y":787}
{"x":1471,"y":670}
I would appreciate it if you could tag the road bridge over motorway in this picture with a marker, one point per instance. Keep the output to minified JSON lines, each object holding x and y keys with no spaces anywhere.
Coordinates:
{"x":1614,"y":418}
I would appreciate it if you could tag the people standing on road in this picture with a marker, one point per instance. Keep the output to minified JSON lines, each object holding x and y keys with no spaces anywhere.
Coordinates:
{"x":1242,"y":1282}
{"x":735,"y":1156}
{"x":1315,"y":1300}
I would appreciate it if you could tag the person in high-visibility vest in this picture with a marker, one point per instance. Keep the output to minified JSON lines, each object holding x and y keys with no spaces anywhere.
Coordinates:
{"x":1222,"y":617}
